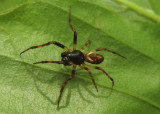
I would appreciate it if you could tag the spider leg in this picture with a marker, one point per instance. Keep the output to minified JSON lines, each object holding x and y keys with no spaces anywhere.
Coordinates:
{"x":98,"y":68}
{"x":94,"y":83}
{"x":74,"y":31}
{"x":46,"y":44}
{"x":64,"y":84}
{"x":58,"y":62}
{"x":85,"y":45}
{"x":104,"y":49}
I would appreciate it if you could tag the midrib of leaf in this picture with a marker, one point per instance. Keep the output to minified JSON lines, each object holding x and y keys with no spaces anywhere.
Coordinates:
{"x":140,"y":10}
{"x":88,"y":80}
{"x":78,"y":18}
{"x":11,"y":9}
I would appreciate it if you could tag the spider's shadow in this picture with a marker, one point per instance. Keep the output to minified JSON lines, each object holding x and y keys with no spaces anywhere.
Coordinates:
{"x":53,"y":79}
{"x":49,"y":80}
{"x":50,"y":100}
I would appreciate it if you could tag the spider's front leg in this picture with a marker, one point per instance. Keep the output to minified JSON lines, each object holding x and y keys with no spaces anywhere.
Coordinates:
{"x":46,"y":44}
{"x":58,"y":62}
{"x":64,"y":84}
{"x":74,"y":31}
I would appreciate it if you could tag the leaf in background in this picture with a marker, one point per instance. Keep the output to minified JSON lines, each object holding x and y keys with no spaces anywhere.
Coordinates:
{"x":28,"y":88}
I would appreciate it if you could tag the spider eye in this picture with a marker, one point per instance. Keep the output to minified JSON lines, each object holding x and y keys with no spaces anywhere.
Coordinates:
{"x":64,"y":59}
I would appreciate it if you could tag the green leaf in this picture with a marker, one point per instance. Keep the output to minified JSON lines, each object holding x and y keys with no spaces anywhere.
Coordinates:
{"x":28,"y":88}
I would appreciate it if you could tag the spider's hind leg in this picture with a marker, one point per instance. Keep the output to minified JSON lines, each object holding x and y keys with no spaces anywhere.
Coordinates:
{"x":98,"y":68}
{"x":94,"y":83}
{"x":105,"y":49}
{"x":85,"y":45}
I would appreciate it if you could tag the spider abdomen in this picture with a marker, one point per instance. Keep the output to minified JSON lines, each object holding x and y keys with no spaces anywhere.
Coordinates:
{"x":94,"y":58}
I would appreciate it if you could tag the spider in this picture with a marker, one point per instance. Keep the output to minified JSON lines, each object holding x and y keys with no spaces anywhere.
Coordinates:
{"x":76,"y":58}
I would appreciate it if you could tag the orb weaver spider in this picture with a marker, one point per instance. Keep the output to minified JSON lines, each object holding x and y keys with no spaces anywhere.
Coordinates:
{"x":76,"y":58}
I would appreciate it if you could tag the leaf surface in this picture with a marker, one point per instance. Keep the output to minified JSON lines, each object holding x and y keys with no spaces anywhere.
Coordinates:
{"x":28,"y":88}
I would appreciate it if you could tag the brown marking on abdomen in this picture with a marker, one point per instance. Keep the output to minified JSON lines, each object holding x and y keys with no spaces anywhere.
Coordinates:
{"x":94,"y":58}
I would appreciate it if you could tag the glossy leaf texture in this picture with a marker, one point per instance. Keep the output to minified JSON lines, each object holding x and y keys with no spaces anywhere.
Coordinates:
{"x":129,"y":27}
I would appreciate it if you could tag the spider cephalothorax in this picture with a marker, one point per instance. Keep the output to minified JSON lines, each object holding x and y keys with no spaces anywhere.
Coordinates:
{"x":77,"y":57}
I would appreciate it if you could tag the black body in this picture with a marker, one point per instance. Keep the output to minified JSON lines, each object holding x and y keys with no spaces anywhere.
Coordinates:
{"x":76,"y":57}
